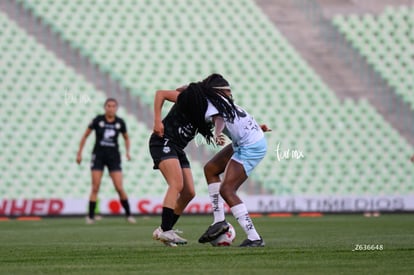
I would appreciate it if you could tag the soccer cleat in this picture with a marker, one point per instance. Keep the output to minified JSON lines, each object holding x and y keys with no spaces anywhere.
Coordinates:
{"x":131,"y":220}
{"x":250,"y":243}
{"x":214,"y":231}
{"x":171,"y":237}
{"x":156,"y":233}
{"x":156,"y":236}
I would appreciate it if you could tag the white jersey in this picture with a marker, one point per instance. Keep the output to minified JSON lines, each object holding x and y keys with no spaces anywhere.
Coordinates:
{"x":243,"y":131}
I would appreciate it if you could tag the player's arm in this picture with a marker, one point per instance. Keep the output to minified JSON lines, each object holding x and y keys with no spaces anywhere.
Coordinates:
{"x":160,"y":97}
{"x":127,"y":145}
{"x":82,"y":144}
{"x":219,"y":125}
{"x":412,"y":158}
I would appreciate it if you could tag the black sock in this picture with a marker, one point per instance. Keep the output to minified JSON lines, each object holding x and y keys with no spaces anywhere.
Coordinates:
{"x":125,"y":205}
{"x":92,"y":206}
{"x":175,"y":219}
{"x":167,"y":218}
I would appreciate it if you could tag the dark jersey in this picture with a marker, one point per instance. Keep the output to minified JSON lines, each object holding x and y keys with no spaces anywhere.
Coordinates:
{"x":107,"y":132}
{"x":177,"y":128}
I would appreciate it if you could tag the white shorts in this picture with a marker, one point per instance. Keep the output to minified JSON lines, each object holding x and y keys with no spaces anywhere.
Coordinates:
{"x":250,"y":155}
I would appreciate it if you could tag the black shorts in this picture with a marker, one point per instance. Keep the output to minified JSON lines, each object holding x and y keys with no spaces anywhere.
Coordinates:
{"x":161,"y":149}
{"x":111,"y":159}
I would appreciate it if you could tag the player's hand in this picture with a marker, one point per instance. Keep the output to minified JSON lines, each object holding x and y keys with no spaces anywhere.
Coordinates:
{"x":220,"y":140}
{"x":265,"y":128}
{"x":128,"y":156}
{"x":158,"y":128}
{"x":412,"y":158}
{"x":78,"y":158}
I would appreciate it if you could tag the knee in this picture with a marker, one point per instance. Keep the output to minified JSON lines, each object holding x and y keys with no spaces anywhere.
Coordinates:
{"x":189,"y":195}
{"x":176,"y":186}
{"x":95,"y":189}
{"x":209,"y":170}
{"x":192,"y":194}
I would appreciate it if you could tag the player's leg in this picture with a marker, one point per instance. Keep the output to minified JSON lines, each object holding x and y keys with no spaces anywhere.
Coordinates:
{"x":242,"y":163}
{"x":234,"y":177}
{"x":166,"y":159}
{"x":188,"y":192}
{"x":96,"y":177}
{"x":171,"y":170}
{"x":217,"y":164}
{"x":186,"y":195}
{"x":117,"y":179}
{"x":212,"y":170}
{"x":96,"y":183}
{"x":113,"y":161}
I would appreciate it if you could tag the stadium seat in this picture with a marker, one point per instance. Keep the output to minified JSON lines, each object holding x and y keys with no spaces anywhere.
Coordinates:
{"x":43,"y":144}
{"x":169,"y":45}
{"x":386,"y":43}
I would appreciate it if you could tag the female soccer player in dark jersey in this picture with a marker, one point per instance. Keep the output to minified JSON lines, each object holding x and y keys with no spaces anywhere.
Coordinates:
{"x":170,"y":136}
{"x":107,"y":127}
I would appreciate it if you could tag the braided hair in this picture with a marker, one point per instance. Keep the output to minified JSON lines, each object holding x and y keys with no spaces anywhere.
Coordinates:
{"x":193,"y":103}
{"x":214,"y":87}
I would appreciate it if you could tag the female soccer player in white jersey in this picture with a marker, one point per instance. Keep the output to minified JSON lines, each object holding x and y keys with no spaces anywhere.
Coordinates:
{"x":237,"y":161}
{"x":107,"y":127}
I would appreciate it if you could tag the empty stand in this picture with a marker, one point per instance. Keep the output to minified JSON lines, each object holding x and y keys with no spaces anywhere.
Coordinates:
{"x":387,"y":43}
{"x":48,"y":108}
{"x":347,"y":148}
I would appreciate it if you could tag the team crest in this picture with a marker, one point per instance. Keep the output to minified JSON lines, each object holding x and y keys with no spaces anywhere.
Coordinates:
{"x":101,"y":123}
{"x":117,"y":126}
{"x":166,"y":149}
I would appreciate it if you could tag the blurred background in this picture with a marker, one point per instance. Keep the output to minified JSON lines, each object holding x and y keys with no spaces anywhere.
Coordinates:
{"x":334,"y":79}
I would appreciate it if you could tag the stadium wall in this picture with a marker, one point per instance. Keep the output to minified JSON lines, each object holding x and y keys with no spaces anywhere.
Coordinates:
{"x":201,"y":205}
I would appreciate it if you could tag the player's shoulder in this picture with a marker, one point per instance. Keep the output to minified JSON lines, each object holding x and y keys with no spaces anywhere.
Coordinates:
{"x":96,"y":120}
{"x":119,"y":119}
{"x":99,"y":117}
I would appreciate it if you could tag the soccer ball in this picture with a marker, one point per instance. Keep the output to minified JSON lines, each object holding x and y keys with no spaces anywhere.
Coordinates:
{"x":225,"y":239}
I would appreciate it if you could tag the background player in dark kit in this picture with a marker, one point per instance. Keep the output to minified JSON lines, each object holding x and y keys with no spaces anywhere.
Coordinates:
{"x":106,"y":153}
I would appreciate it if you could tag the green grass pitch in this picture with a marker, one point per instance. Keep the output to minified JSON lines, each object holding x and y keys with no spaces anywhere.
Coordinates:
{"x":297,"y":245}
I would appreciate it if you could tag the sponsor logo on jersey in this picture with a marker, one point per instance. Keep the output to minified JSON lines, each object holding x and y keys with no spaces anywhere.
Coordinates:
{"x":166,"y":149}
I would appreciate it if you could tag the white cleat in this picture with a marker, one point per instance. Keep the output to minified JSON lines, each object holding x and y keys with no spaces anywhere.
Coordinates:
{"x":171,"y":236}
{"x":156,"y":233}
{"x":156,"y":236}
{"x":131,"y":220}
